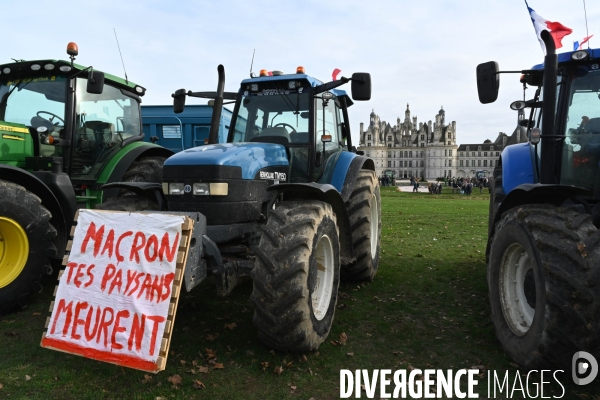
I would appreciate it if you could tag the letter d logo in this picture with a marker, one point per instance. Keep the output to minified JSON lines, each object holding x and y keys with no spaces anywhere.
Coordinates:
{"x":584,"y":364}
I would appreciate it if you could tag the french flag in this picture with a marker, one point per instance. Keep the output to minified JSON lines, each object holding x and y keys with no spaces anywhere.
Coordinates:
{"x":556,"y":29}
{"x":578,"y":45}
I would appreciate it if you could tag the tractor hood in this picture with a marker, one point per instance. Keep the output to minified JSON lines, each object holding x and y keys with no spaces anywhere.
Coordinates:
{"x":250,"y":157}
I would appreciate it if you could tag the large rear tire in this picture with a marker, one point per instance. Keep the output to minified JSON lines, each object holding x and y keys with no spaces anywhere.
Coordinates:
{"x":26,"y":237}
{"x":296,"y":276}
{"x":543,"y":285}
{"x":146,"y":169}
{"x":364,"y":210}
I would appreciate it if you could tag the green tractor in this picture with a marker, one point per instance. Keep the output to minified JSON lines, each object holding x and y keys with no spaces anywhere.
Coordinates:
{"x":65,"y":130}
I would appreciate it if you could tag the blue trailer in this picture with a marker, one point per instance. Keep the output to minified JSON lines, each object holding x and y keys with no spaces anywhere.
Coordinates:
{"x":182,"y":131}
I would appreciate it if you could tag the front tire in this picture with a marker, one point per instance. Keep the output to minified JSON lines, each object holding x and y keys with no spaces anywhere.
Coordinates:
{"x":296,"y":276}
{"x":26,"y":237}
{"x":543,"y":285}
{"x":146,"y":169}
{"x":364,"y":210}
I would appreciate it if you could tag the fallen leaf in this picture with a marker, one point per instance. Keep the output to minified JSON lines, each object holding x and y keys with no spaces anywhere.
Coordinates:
{"x":192,"y":371}
{"x":36,"y":313}
{"x":343,"y":338}
{"x":350,"y":354}
{"x":199,"y":385}
{"x":219,"y":366}
{"x":272,"y":352}
{"x":278,"y":370}
{"x":27,"y":378}
{"x":183,"y":362}
{"x":230,"y":326}
{"x":1,"y":386}
{"x":175,"y":379}
{"x":265,"y":365}
{"x":210,"y":337}
{"x":211,"y":353}
{"x":304,"y":358}
{"x":203,"y":370}
{"x":147,"y":378}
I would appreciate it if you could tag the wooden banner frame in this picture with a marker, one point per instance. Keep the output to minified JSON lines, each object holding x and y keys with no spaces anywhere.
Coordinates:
{"x":182,"y":254}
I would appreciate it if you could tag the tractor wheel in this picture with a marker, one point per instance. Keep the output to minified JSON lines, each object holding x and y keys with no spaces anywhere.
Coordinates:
{"x":364,"y":210}
{"x":543,"y":285}
{"x":147,"y":169}
{"x":26,"y":237}
{"x":296,"y":276}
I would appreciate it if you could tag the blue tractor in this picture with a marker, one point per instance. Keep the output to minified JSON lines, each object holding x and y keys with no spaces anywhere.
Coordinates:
{"x":288,"y":201}
{"x":543,"y":252}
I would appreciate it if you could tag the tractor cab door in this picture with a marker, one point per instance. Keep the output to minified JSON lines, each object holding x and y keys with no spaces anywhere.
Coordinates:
{"x":328,"y":134}
{"x":102,"y":123}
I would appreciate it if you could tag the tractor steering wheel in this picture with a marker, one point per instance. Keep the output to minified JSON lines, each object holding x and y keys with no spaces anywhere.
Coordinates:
{"x":51,"y":119}
{"x":286,"y":125}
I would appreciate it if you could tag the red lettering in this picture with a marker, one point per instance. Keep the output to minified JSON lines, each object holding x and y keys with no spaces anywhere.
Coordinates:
{"x":117,"y":252}
{"x":147,"y":286}
{"x":157,"y":319}
{"x":117,"y":281}
{"x":109,"y":272}
{"x":137,"y":332}
{"x":104,"y":324}
{"x":62,"y":308}
{"x":88,"y":321}
{"x":90,"y":276}
{"x":164,"y":247}
{"x":156,"y":287}
{"x":78,"y":275}
{"x":137,"y":283}
{"x":167,"y":284}
{"x":108,"y":245}
{"x":71,"y":266}
{"x":153,"y":240}
{"x":118,"y":328}
{"x":136,"y":247}
{"x":77,"y":321}
{"x":130,"y":276}
{"x":96,"y":236}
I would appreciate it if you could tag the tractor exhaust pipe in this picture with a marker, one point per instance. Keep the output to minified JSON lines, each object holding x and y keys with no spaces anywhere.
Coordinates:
{"x":548,"y":153}
{"x":213,"y":136}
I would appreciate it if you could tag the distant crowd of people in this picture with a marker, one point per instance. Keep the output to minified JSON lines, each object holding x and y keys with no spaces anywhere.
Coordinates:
{"x":465,"y":185}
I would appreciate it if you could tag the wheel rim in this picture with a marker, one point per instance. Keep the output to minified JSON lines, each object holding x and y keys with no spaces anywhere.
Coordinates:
{"x":14,"y":248}
{"x":517,"y":289}
{"x":321,"y":294}
{"x":374,"y":225}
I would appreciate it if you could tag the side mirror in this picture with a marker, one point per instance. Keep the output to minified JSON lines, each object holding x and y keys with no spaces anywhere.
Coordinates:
{"x":179,"y":101}
{"x":95,"y":82}
{"x":361,"y":86}
{"x":518,"y":105}
{"x":488,"y":82}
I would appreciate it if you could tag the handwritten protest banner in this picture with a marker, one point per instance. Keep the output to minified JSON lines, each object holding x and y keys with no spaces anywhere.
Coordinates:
{"x":116,"y":298}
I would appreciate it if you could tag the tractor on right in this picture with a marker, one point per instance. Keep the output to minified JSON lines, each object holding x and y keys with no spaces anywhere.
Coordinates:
{"x":543,"y":250}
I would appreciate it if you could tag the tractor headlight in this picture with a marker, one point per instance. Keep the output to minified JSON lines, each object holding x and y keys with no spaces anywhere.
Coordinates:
{"x":219,"y":189}
{"x":579,"y":55}
{"x":176,"y":188}
{"x":201,"y":189}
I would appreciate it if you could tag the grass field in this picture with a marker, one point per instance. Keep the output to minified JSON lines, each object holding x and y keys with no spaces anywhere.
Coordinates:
{"x":427,"y":308}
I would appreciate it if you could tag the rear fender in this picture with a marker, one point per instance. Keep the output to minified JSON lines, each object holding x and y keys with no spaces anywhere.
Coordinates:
{"x":327,"y":194}
{"x":346,"y":171}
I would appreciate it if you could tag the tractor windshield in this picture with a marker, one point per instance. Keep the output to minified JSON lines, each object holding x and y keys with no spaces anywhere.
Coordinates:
{"x":102,"y":122}
{"x":34,"y":102}
{"x":273,"y":114}
{"x":581,"y":150}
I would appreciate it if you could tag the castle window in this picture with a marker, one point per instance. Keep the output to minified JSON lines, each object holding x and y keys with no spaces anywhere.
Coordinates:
{"x":404,"y":143}
{"x":479,"y":163}
{"x":369,"y":137}
{"x":472,"y":154}
{"x":389,"y":154}
{"x":389,"y":138}
{"x":449,"y":136}
{"x":410,"y":163}
{"x":449,"y":163}
{"x":479,"y":148}
{"x":389,"y":164}
{"x":485,"y":163}
{"x":445,"y":163}
{"x":491,"y":147}
{"x":467,"y":148}
{"x":450,"y":153}
{"x":368,"y":144}
{"x":421,"y":163}
{"x":478,"y":154}
{"x":422,"y":137}
{"x":461,"y":163}
{"x":406,"y":154}
{"x":410,"y":154}
{"x":389,"y":145}
{"x":445,"y":153}
{"x":401,"y":154}
{"x":485,"y":153}
{"x":405,"y":163}
{"x":497,"y":154}
{"x":422,"y":144}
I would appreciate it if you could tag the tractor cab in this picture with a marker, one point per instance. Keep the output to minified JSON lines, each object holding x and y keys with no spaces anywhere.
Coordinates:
{"x":58,"y":109}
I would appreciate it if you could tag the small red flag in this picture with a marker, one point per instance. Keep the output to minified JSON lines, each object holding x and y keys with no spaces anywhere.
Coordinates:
{"x":335,"y":73}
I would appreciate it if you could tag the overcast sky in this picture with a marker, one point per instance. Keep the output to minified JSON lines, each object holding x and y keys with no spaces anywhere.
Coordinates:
{"x":418,"y":52}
